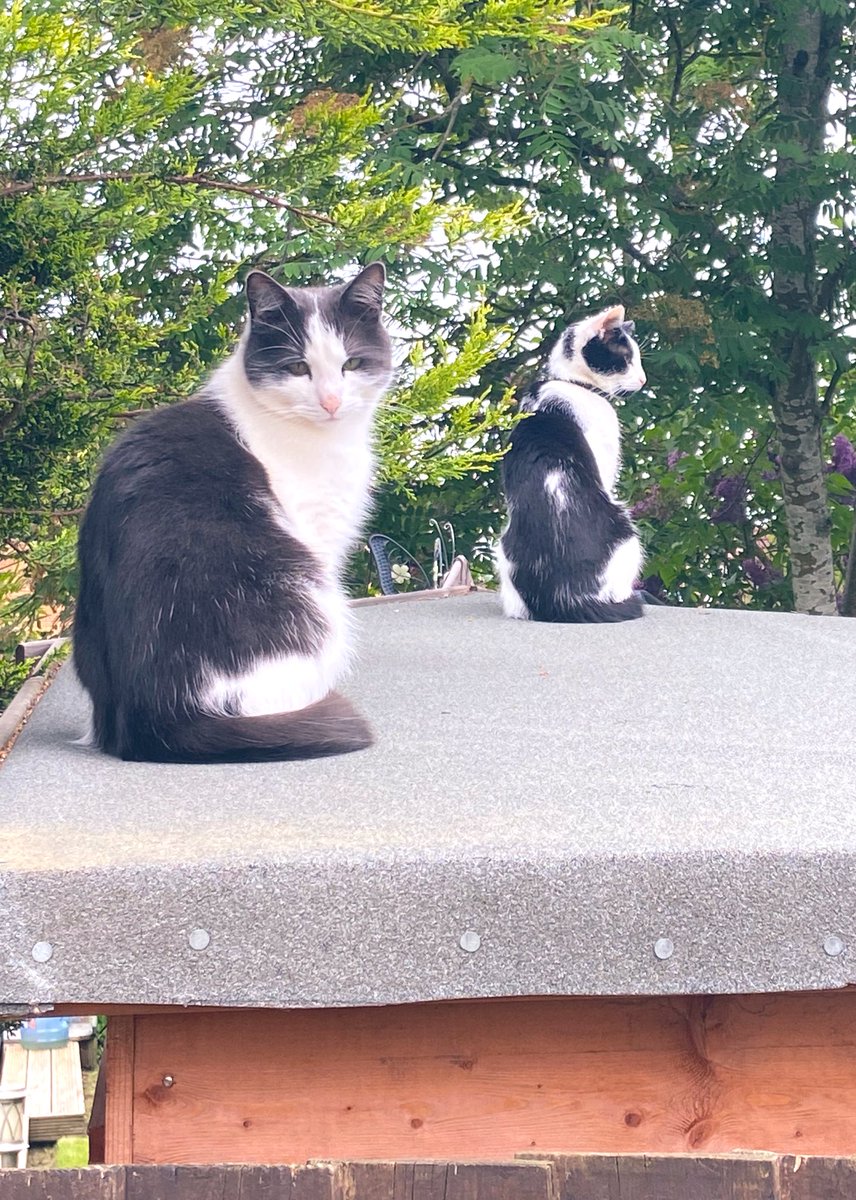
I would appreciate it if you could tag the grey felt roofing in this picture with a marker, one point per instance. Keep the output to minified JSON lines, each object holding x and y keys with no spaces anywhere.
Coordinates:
{"x":662,"y":806}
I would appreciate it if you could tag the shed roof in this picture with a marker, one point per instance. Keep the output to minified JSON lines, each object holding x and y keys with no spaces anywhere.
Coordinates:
{"x":661,"y":806}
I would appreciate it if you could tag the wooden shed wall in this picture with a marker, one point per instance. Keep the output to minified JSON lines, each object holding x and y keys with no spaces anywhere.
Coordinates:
{"x":487,"y":1079}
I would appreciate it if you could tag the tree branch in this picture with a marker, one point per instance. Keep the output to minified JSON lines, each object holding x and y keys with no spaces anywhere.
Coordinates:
{"x":841,"y":369}
{"x":455,"y":108}
{"x":9,"y":419}
{"x":21,"y":186}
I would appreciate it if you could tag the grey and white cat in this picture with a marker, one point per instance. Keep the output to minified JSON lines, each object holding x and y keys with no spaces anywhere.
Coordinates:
{"x":569,"y":551}
{"x":211,"y":622}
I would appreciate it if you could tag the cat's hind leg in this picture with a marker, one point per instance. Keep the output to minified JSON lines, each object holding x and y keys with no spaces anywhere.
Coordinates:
{"x":513,"y":604}
{"x":293,"y":679}
{"x":621,"y":571}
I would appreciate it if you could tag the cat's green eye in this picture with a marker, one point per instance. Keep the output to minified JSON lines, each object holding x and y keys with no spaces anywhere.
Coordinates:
{"x":298,"y":368}
{"x":351,"y":364}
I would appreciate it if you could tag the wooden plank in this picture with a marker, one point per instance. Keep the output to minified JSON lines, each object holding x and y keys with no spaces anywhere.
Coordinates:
{"x":313,"y":1182}
{"x":818,"y":1178}
{"x":119,"y":1097}
{"x":448,"y":1181}
{"x":666,"y":1177}
{"x":423,"y":594}
{"x":18,"y":709}
{"x":14,"y":1073}
{"x":489,"y":1080}
{"x":67,"y":1081}
{"x":578,"y":1177}
{"x":61,"y":1009}
{"x":38,"y":1102}
{"x":54,"y":1102}
{"x":445,"y":1081}
{"x":90,"y":1183}
{"x":779,"y":1073}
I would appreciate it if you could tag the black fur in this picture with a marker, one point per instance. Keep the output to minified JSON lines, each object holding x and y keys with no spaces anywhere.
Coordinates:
{"x":610,"y":354}
{"x":183,"y":565}
{"x":559,"y":556}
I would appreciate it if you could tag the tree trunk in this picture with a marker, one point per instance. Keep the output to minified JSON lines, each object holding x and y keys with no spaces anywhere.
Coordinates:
{"x":807,"y":39}
{"x":798,"y":426}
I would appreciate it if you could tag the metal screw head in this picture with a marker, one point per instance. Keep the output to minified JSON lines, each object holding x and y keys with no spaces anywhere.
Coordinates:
{"x":168,"y":1081}
{"x":470,"y":941}
{"x":42,"y":952}
{"x":833,"y":946}
{"x":199,"y":939}
{"x":664,"y":948}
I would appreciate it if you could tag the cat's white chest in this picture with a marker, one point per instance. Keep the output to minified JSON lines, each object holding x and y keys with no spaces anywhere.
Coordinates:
{"x":319,"y":473}
{"x":321,"y":496}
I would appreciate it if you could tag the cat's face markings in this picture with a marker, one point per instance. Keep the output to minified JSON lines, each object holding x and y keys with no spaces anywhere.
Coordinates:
{"x":318,"y":354}
{"x":600,"y":350}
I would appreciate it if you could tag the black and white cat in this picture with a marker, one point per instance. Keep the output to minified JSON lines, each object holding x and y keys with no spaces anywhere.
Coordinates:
{"x":570,"y":551}
{"x":211,"y":623}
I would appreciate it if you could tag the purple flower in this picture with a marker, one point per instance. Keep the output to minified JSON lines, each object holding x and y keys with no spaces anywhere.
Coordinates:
{"x":844,"y":458}
{"x":762,"y":574}
{"x":730,"y":487}
{"x":651,"y":504}
{"x":731,"y":490}
{"x":769,"y":476}
{"x":674,"y":457}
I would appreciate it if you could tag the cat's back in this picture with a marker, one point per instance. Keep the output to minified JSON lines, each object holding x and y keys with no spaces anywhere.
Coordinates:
{"x":178,"y":487}
{"x":186,"y":450}
{"x":547,"y":438}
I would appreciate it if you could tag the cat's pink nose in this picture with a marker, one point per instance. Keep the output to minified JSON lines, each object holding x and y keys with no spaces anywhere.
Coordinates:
{"x":331,"y":403}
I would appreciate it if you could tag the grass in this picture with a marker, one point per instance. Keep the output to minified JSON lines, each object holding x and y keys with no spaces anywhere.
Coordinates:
{"x":72,"y":1152}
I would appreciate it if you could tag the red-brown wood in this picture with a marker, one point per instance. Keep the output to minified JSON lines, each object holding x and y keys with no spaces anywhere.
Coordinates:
{"x":119,"y":1111}
{"x":486,"y":1080}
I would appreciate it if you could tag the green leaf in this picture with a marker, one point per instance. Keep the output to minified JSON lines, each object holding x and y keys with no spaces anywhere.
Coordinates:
{"x":482,"y":66}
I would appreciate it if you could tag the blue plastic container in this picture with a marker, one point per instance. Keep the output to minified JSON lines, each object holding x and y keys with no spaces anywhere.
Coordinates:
{"x":44,"y":1033}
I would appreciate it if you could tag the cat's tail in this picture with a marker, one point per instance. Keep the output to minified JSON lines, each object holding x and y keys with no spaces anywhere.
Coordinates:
{"x":330,"y":726}
{"x":589,"y":611}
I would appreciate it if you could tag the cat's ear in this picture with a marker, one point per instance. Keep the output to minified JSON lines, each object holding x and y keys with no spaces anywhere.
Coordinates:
{"x":365,"y":293}
{"x":264,"y":294}
{"x":610,"y":318}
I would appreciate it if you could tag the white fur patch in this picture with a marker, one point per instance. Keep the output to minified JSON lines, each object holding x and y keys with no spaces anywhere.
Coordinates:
{"x":325,"y":353}
{"x":554,"y":485}
{"x":288,"y":682}
{"x":635,"y":377}
{"x":513,"y":604}
{"x":621,"y":572}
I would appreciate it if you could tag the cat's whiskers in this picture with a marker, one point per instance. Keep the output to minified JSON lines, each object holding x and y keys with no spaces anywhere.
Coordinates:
{"x":282,"y":326}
